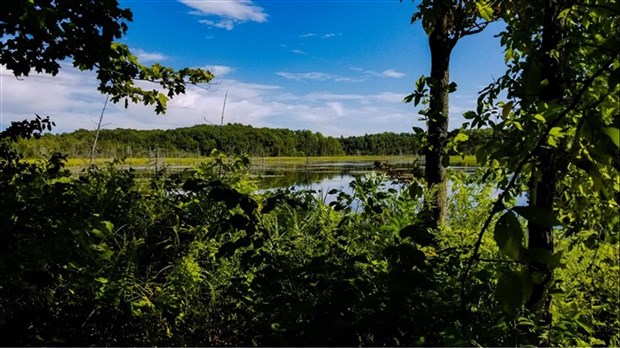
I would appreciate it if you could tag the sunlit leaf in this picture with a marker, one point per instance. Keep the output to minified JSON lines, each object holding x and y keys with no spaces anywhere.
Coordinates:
{"x":614,"y":134}
{"x":461,"y":137}
{"x":485,"y":10}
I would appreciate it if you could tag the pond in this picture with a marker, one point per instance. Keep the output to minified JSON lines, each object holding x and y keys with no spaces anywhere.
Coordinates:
{"x":321,"y":174}
{"x":323,"y":177}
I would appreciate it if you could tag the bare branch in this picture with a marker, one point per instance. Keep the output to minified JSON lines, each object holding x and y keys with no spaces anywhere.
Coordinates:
{"x":92,"y":151}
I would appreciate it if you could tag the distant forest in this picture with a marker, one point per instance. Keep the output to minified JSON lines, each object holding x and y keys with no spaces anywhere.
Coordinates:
{"x":236,"y":138}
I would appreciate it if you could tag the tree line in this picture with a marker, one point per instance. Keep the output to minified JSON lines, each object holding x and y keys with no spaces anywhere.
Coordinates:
{"x":200,"y":140}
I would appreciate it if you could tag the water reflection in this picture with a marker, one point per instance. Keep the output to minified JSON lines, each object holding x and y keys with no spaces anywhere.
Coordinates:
{"x":321,"y":174}
{"x":324,"y":178}
{"x":305,"y":180}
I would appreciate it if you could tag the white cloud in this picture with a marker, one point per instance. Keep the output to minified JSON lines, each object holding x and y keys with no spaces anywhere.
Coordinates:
{"x":336,"y":107}
{"x":316,"y":76}
{"x":227,"y":24}
{"x":324,"y":36}
{"x":392,"y":73}
{"x":300,"y":52}
{"x":71,"y":94}
{"x":347,"y":79}
{"x":146,"y":57}
{"x":333,"y":96}
{"x":227,"y":13}
{"x":330,"y":35}
{"x":390,"y":97}
{"x":219,"y":70}
{"x":72,"y":100}
{"x":362,"y":99}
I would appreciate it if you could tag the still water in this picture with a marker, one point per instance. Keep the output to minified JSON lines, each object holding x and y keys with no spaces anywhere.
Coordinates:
{"x":323,"y":177}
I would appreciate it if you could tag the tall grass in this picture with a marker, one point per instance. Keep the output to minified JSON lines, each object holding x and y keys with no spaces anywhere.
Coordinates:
{"x":468,"y":160}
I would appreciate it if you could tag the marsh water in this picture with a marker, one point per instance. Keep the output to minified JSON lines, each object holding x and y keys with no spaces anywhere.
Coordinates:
{"x":324,"y":176}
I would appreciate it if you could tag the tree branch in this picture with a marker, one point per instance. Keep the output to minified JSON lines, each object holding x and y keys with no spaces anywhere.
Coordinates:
{"x":478,"y":27}
{"x":110,"y":71}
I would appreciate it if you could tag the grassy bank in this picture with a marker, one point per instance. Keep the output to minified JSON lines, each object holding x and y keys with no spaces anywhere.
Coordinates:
{"x":278,"y":161}
{"x":264,"y":161}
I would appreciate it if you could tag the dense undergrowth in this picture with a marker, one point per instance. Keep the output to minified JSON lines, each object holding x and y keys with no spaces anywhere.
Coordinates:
{"x":105,"y":258}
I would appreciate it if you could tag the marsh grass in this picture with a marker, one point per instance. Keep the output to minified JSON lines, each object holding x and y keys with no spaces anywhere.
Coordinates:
{"x":466,"y":161}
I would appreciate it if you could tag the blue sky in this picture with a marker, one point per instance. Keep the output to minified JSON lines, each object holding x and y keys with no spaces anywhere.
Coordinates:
{"x":338,"y":67}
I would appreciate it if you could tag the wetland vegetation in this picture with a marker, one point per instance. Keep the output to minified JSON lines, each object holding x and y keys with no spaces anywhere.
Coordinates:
{"x":105,"y":255}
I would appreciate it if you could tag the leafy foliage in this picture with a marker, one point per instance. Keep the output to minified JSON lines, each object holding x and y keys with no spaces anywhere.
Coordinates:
{"x":38,"y":35}
{"x":555,"y":129}
{"x":105,"y":257}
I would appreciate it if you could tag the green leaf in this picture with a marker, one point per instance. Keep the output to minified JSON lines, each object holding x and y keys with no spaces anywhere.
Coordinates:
{"x":596,"y":342}
{"x":537,"y":215}
{"x":614,"y":134}
{"x":408,"y":98}
{"x":415,"y":190}
{"x":485,"y":10}
{"x":510,"y":292}
{"x":527,"y":285}
{"x":469,"y":115}
{"x":109,"y":226}
{"x":420,"y":83}
{"x":452,"y":87}
{"x":518,"y":125}
{"x":614,"y":79}
{"x":506,"y":109}
{"x":101,"y":280}
{"x":593,"y":171}
{"x":508,"y":55}
{"x":461,"y":137}
{"x":97,"y":233}
{"x":418,"y":233}
{"x":556,"y":132}
{"x":418,"y":130}
{"x":509,"y":236}
{"x":540,"y":118}
{"x":162,"y":99}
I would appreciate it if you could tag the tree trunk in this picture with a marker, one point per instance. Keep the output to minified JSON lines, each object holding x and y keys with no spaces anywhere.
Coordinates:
{"x":542,"y":192}
{"x":436,"y":157}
